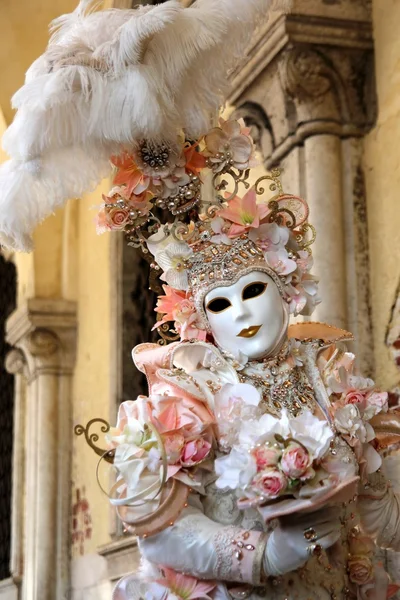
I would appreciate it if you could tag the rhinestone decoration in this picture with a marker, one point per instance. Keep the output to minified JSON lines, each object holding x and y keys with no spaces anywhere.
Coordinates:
{"x":155,"y":157}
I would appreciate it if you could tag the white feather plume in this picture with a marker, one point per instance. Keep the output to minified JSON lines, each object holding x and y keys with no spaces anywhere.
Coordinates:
{"x":106,"y":80}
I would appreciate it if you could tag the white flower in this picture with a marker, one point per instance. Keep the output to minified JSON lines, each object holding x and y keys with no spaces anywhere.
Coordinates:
{"x":159,"y":241}
{"x":234,"y":404}
{"x":132,"y":434}
{"x":311,"y":432}
{"x":235,"y":470}
{"x":349,"y":422}
{"x":264,"y":430}
{"x":220,"y":228}
{"x":173,"y":261}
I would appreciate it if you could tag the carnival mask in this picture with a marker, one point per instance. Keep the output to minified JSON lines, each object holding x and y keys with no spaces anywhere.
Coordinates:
{"x":248,"y":316}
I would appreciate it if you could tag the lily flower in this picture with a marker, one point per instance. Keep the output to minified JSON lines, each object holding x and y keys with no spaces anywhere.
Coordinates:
{"x":244,"y":213}
{"x":185,"y":587}
{"x":130,"y":175}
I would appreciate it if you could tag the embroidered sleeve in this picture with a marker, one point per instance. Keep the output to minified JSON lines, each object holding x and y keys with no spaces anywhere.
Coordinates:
{"x":198,"y":546}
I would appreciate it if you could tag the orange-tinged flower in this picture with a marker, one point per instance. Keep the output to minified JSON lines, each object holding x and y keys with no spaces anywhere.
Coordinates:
{"x":244,"y":213}
{"x":130,"y":175}
{"x":169,"y":304}
{"x":195,"y":161}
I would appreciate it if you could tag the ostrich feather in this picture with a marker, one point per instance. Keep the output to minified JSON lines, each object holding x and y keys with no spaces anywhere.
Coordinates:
{"x":108,"y":79}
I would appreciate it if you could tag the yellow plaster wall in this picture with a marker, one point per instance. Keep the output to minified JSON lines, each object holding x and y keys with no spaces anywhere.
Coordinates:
{"x":91,"y":387}
{"x":382,"y":166}
{"x":69,"y":261}
{"x":24,"y":36}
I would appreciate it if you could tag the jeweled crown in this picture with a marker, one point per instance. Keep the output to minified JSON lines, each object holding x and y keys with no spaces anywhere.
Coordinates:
{"x":174,"y":203}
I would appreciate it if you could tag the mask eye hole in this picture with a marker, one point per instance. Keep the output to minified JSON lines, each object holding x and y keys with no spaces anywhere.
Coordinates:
{"x":218,"y":305}
{"x":253,"y":290}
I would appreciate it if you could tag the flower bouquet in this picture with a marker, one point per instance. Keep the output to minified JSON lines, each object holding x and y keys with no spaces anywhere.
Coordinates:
{"x":285,"y":465}
{"x":160,"y":444}
{"x":355,"y":403}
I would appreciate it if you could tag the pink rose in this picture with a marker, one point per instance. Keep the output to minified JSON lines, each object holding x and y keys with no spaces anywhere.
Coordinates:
{"x":271,"y":483}
{"x":173,"y":445}
{"x":117,"y":218}
{"x":353,"y":396}
{"x":360,"y":569}
{"x":195,"y":451}
{"x":295,"y":461}
{"x":266,"y":457}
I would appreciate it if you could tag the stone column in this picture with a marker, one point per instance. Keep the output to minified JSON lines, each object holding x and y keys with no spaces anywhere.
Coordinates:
{"x":16,"y":365}
{"x":323,"y":166}
{"x":308,"y":89}
{"x":45,"y":332}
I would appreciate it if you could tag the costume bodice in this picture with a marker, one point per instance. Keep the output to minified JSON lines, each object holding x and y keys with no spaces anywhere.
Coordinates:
{"x":199,"y":369}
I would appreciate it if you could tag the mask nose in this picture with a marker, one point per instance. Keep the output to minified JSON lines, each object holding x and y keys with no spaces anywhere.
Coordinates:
{"x":240,"y":311}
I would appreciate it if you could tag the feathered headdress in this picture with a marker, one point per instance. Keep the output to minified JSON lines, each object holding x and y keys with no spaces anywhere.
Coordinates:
{"x":107,"y":81}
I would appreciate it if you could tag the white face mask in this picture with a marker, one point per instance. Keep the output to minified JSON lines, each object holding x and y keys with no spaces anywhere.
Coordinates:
{"x":249,"y":315}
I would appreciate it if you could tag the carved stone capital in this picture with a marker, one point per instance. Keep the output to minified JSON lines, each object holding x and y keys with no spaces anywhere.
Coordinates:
{"x":305,"y":74}
{"x":42,"y":343}
{"x":44,"y":331}
{"x":309,"y":74}
{"x":15,"y":362}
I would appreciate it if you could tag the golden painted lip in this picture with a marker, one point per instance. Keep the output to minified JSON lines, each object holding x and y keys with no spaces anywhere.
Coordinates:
{"x":250,"y":332}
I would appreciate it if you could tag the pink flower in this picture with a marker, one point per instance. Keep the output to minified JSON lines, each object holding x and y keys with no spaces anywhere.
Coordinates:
{"x":295,"y":461}
{"x":271,"y":483}
{"x":117,"y":218}
{"x":230,"y":145}
{"x":173,"y":445}
{"x":195,"y":451}
{"x":169,"y":304}
{"x":266,"y":457}
{"x":280,"y":262}
{"x":185,"y":587}
{"x":353,"y":396}
{"x":303,"y":294}
{"x":102,"y":224}
{"x":360,"y":569}
{"x":377,"y":401}
{"x":190,"y":417}
{"x":190,"y":329}
{"x":304,"y":261}
{"x":244,"y":213}
{"x":178,"y":308}
{"x":270,"y":237}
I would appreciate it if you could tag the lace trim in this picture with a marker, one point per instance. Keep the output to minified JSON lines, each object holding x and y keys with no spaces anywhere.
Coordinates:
{"x":223,"y":541}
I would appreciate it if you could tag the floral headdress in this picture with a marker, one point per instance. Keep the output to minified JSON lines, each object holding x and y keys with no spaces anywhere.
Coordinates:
{"x":197,"y":242}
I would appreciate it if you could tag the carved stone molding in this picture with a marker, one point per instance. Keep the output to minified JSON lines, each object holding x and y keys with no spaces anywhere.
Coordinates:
{"x":122,"y":557}
{"x":310,"y":75}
